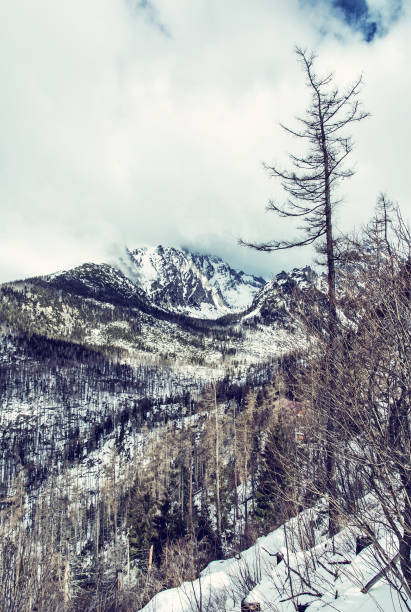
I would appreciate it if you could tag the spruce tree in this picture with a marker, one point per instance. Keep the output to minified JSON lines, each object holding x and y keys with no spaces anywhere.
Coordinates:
{"x":273,"y":480}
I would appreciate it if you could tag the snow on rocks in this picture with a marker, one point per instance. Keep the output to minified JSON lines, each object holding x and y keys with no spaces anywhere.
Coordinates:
{"x":194,"y":284}
{"x":283,"y":572}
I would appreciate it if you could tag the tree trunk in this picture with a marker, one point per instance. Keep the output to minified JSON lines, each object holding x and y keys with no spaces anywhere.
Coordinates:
{"x":235,"y":466}
{"x":405,"y":542}
{"x":332,"y":327}
{"x":217,"y":467}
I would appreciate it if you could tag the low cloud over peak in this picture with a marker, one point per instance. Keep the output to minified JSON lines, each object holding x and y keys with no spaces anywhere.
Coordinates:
{"x":147,"y":121}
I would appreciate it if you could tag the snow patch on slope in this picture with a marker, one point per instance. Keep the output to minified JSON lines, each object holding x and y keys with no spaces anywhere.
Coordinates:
{"x":329,"y":584}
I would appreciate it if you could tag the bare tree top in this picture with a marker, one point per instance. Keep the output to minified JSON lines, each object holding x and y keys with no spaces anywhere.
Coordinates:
{"x":312,"y":177}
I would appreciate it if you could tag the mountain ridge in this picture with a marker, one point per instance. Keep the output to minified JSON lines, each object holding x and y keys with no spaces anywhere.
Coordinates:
{"x":98,"y":305}
{"x":192,"y":283}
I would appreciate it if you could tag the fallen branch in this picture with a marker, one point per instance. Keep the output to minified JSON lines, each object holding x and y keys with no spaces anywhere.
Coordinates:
{"x":380,"y":574}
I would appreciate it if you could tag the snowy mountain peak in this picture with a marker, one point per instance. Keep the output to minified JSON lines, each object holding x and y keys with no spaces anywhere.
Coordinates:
{"x":193,"y":283}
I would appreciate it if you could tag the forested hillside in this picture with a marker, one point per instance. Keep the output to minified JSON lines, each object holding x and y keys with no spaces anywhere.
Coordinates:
{"x":109,"y":408}
{"x":136,"y":449}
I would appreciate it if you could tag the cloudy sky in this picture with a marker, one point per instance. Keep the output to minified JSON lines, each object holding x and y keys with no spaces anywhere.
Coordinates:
{"x":147,"y":121}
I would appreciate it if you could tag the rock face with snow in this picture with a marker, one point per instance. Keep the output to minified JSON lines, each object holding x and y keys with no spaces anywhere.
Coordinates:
{"x":175,"y":285}
{"x":199,"y":285}
{"x":287,"y":294}
{"x":168,"y":280}
{"x":162,"y":303}
{"x":97,"y":281}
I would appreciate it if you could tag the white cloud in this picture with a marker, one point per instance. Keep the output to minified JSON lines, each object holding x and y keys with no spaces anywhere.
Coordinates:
{"x":148,"y":126}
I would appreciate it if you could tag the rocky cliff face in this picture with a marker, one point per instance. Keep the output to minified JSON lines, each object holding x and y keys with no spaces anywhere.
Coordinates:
{"x":199,"y":285}
{"x":286,"y":297}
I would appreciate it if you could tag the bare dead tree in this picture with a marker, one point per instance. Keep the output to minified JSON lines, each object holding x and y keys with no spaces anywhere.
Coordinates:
{"x":382,"y":347}
{"x":371,"y":441}
{"x":310,"y":185}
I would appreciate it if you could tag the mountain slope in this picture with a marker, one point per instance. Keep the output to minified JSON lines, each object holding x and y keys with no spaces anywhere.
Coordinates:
{"x":285,"y":298}
{"x":328,"y":574}
{"x":98,"y":305}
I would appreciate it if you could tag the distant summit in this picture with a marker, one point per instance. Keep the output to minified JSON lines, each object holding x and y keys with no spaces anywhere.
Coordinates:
{"x":190,"y":283}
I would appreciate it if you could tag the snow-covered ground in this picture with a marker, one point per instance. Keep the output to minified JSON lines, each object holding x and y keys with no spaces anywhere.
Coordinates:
{"x":284,"y":573}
